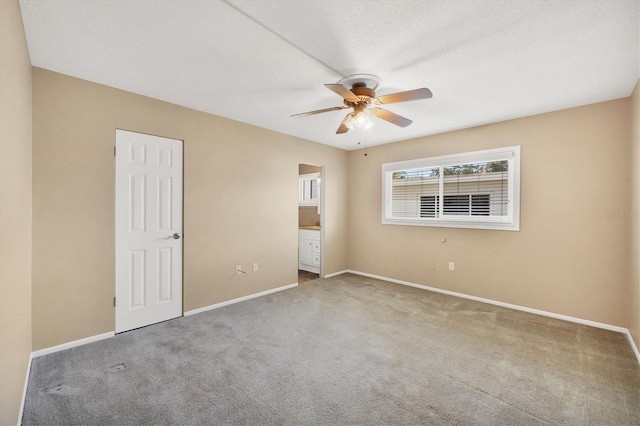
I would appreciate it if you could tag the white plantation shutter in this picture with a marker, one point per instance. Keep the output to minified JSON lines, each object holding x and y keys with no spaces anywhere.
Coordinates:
{"x":473,"y":190}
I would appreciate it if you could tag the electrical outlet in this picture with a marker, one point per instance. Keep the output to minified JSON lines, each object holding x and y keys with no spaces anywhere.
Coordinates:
{"x":239,"y":270}
{"x":255,"y":267}
{"x":451,"y":266}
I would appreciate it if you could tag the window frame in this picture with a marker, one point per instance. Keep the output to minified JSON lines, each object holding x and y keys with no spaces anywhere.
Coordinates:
{"x":510,"y":222}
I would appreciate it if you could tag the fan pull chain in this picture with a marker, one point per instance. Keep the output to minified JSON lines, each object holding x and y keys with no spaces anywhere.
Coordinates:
{"x":365,"y":145}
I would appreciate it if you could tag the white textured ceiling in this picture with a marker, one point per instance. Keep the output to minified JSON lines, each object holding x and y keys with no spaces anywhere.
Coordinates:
{"x":261,"y":61}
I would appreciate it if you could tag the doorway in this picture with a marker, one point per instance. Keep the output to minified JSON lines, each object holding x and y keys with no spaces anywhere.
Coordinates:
{"x":310,"y":222}
{"x":148,"y":230}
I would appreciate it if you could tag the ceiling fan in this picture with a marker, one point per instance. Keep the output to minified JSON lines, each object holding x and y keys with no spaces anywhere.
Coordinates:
{"x":362,"y":96}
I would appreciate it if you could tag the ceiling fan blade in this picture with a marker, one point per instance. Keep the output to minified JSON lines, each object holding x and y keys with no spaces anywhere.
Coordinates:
{"x":396,"y":119}
{"x":319,"y":111}
{"x":342,"y":129}
{"x":410,"y":95}
{"x":342,"y":91}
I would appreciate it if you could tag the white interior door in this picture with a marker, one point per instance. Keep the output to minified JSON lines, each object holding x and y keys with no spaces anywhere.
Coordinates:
{"x":148,"y":229}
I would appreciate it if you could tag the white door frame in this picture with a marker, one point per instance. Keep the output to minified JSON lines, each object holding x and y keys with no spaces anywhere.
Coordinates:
{"x":323,"y":185}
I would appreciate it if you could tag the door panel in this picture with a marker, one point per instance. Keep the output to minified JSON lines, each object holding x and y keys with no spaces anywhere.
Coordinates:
{"x":306,"y":251}
{"x":137,"y":278}
{"x":165,"y":203}
{"x":148,"y":216}
{"x":164,"y":274}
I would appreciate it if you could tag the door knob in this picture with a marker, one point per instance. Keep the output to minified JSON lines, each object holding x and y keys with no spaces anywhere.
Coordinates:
{"x":175,"y":236}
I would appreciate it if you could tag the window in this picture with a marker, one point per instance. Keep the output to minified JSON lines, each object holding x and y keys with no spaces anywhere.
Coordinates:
{"x":471,"y":190}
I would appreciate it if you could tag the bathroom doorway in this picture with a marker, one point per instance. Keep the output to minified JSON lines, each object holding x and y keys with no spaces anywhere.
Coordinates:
{"x":310,"y":222}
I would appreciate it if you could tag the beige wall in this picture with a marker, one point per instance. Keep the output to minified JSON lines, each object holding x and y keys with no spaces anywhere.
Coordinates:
{"x":73,"y":187}
{"x":15,"y":211}
{"x":634,"y":310}
{"x":569,"y":257}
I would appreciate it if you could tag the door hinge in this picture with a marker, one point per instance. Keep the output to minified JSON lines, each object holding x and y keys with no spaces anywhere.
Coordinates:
{"x":114,"y":151}
{"x":114,"y":302}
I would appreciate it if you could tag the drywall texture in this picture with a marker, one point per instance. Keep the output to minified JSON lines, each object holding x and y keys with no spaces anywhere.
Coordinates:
{"x":570,"y":256}
{"x":15,"y":211}
{"x":634,"y":299}
{"x":231,"y":171}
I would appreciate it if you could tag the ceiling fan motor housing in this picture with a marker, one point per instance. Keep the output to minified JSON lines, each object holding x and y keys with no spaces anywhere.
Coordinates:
{"x":364,"y":93}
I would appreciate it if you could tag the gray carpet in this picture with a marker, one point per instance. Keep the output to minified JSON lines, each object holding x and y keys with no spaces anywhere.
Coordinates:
{"x":344,"y":350}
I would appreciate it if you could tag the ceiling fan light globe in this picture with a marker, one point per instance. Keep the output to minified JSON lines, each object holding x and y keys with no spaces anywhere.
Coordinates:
{"x":362,"y":120}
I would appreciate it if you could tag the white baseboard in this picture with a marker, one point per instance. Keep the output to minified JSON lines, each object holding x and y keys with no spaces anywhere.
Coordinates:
{"x":336,"y":273}
{"x":498,"y":303}
{"x":239,"y":299}
{"x":24,"y":390}
{"x":73,"y":344}
{"x":511,"y":306}
{"x":110,"y":334}
{"x":633,"y":345}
